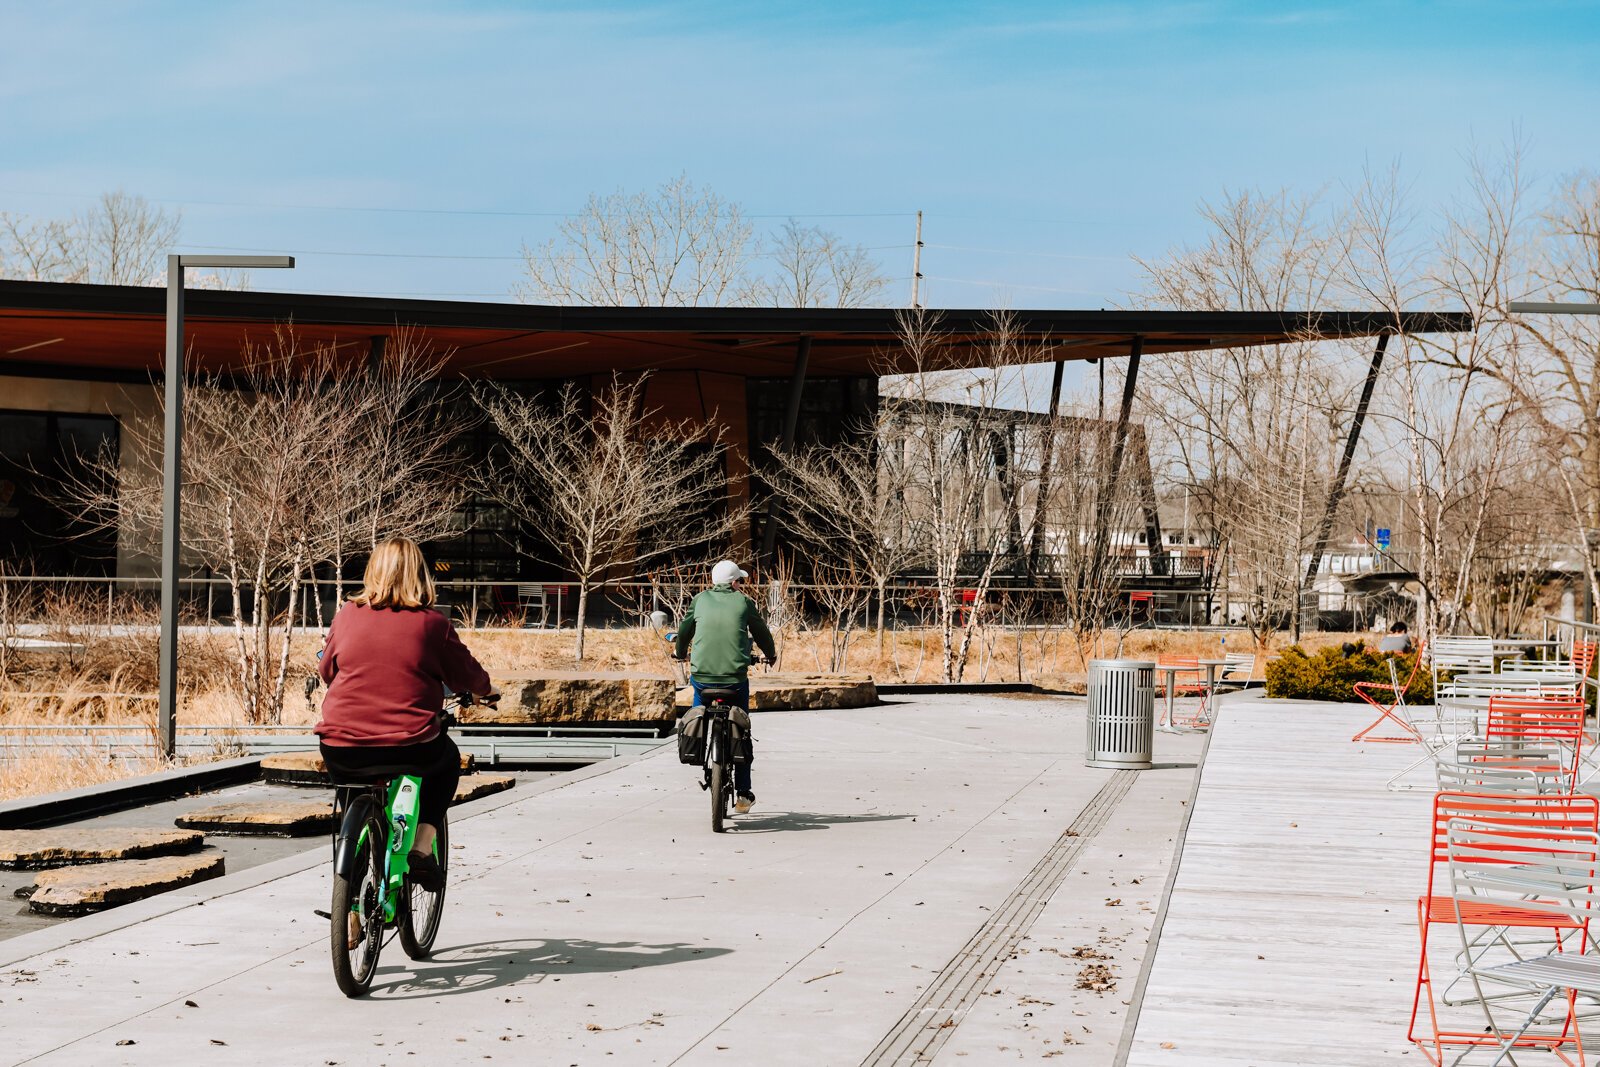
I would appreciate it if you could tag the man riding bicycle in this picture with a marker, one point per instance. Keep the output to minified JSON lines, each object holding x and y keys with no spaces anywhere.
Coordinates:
{"x":719,"y":627}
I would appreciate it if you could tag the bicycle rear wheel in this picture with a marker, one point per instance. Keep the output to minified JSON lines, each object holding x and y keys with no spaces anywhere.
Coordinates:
{"x":716,"y":750}
{"x":361,"y":894}
{"x":422,"y":910}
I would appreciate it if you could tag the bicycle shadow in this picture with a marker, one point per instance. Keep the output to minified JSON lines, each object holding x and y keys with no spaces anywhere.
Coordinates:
{"x":487,"y":965}
{"x":784,"y":821}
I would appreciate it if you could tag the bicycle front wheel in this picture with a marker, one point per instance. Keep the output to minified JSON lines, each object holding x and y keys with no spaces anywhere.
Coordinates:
{"x":422,"y":910}
{"x":358,"y":903}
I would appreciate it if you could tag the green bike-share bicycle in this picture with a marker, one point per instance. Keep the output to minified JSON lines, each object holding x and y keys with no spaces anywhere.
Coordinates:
{"x":376,"y":818}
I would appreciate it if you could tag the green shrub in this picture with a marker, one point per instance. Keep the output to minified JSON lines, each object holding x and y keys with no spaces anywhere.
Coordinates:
{"x":1330,"y":673}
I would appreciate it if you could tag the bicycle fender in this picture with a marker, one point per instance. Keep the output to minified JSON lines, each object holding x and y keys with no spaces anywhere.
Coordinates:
{"x":346,"y":851}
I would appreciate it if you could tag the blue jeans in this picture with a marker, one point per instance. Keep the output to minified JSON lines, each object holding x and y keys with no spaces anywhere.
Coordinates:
{"x":741,"y":697}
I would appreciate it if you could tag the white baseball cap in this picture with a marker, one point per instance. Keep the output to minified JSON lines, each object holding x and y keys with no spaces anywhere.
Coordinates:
{"x":725,"y":572}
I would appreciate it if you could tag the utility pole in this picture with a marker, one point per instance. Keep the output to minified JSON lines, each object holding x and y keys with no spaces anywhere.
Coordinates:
{"x":916,"y":266}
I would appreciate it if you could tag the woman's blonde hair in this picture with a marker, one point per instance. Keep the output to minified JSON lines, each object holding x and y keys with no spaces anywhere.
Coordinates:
{"x":396,"y":577}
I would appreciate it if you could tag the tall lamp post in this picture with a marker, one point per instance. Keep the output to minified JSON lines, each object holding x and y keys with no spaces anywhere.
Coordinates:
{"x":1534,"y":307}
{"x":172,"y":475}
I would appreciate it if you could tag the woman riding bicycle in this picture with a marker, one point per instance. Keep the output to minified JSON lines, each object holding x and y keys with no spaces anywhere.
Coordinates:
{"x":386,"y":662}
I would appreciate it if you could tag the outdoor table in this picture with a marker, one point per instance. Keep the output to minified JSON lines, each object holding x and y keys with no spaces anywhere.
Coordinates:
{"x":1211,"y":666}
{"x":1172,"y":671}
{"x":1514,"y":680}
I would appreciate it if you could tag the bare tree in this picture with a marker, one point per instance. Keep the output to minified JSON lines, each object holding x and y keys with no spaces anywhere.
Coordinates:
{"x":257,"y":447}
{"x":38,"y":251}
{"x":958,"y":468}
{"x":609,"y":492}
{"x":1241,"y":421}
{"x":398,"y":471}
{"x":679,"y":246}
{"x":847,"y":506}
{"x":811,"y":267}
{"x":122,"y":240}
{"x":1085,"y":496}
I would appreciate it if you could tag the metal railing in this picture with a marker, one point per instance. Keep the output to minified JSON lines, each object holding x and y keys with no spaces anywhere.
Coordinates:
{"x":532,"y":744}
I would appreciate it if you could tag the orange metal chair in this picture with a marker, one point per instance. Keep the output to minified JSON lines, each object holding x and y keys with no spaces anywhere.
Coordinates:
{"x":1532,"y":818}
{"x":1389,"y":707}
{"x":1549,"y":719}
{"x":1190,"y":665}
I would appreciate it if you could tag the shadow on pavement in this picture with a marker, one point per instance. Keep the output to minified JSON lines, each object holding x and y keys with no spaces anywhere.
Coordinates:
{"x":495,"y":964}
{"x":782,"y":821}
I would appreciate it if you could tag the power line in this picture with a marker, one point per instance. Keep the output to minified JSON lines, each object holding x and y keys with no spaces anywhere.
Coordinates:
{"x":493,"y":213}
{"x":1027,"y":252}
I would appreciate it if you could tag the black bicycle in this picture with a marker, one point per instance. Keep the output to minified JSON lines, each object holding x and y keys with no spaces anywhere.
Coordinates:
{"x":373,"y":892}
{"x":720,"y":752}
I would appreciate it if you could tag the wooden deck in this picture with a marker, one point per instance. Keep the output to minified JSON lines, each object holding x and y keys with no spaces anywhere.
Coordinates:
{"x":1290,"y":936}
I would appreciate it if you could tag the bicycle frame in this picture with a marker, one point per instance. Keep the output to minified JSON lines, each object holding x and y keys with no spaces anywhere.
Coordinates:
{"x":400,"y":815}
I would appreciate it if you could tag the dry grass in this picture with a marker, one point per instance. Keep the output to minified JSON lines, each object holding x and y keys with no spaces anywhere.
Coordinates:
{"x":112,"y":679}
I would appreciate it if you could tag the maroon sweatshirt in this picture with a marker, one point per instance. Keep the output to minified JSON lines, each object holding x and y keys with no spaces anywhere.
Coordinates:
{"x":385,"y":669}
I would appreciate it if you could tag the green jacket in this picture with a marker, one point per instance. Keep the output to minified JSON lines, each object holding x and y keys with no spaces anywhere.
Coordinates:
{"x":720,"y":623}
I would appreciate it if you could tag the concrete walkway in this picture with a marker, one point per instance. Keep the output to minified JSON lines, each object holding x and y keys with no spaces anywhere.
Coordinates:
{"x":876,"y":900}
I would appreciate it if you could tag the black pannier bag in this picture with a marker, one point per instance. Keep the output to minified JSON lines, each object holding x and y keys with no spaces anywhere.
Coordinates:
{"x":692,"y":736}
{"x":744,"y":746}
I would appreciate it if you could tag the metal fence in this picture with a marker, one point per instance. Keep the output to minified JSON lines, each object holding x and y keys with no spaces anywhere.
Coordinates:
{"x":40,"y":604}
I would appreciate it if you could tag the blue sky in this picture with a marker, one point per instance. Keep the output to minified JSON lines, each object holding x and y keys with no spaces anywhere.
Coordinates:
{"x":1045,"y":142}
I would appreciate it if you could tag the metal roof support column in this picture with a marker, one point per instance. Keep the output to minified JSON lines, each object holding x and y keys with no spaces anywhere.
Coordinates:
{"x":1336,"y":491}
{"x":791,"y":419}
{"x":1119,"y":445}
{"x":1042,"y":496}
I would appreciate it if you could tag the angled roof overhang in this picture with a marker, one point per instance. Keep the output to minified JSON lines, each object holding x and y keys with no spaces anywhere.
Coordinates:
{"x":63,"y":329}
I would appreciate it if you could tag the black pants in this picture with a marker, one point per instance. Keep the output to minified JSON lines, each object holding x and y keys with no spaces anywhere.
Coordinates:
{"x":436,"y":762}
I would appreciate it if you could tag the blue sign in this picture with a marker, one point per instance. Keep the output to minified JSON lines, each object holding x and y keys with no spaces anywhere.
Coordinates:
{"x":1382,"y":538}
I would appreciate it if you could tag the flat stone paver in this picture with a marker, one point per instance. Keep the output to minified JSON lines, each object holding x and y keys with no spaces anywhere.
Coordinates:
{"x":281,"y":818}
{"x":74,"y":890}
{"x":594,"y":918}
{"x":62,"y":846}
{"x":307,"y":768}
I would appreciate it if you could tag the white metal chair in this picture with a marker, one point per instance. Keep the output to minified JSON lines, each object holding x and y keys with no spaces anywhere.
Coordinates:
{"x":532,"y":597}
{"x":1549,"y":871}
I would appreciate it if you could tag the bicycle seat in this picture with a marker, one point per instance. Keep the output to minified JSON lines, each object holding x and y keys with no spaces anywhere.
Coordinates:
{"x":713,"y":693}
{"x":372,"y":776}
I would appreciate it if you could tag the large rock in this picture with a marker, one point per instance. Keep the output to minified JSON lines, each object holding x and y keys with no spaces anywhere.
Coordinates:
{"x":75,"y":890}
{"x":571,"y":697}
{"x":265,"y":818}
{"x":27,"y":849}
{"x":307,"y":768}
{"x":788,"y":692}
{"x":482,"y":785}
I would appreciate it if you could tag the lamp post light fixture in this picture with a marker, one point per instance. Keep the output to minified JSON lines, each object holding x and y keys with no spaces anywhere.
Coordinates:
{"x":172,"y":475}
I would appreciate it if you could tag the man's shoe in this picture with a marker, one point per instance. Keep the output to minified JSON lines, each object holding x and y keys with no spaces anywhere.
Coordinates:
{"x":424,"y":870}
{"x":744,"y":803}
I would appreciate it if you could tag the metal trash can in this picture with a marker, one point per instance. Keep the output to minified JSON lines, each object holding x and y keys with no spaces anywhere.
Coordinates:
{"x":1122,"y":714}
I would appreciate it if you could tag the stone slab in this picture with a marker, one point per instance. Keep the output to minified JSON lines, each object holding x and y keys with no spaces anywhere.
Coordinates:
{"x":29,"y":849}
{"x":790,"y":692}
{"x":77,"y":890}
{"x":277,"y":818}
{"x":307,"y":768}
{"x":482,"y":785}
{"x":572,"y":697}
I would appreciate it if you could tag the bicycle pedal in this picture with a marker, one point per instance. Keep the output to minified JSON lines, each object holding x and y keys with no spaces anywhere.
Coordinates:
{"x":324,"y":914}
